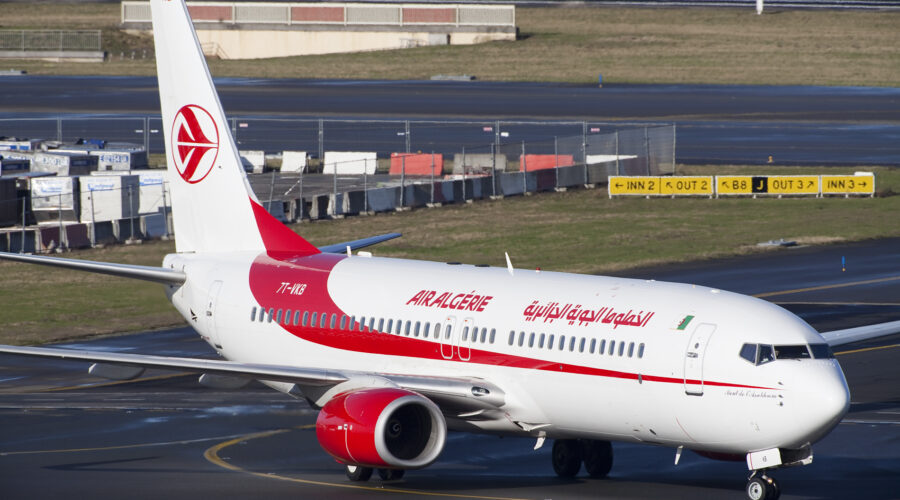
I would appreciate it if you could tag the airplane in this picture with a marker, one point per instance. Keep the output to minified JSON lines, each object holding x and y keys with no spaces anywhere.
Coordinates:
{"x":395,"y":353}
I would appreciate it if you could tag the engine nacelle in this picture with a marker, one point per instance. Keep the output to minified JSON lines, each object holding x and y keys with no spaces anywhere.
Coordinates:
{"x":382,"y":427}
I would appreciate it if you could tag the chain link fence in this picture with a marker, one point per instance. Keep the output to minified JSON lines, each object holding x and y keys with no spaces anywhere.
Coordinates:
{"x":50,"y":40}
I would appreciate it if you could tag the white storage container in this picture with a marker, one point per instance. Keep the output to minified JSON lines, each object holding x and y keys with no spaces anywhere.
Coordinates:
{"x":109,"y":197}
{"x":52,"y":197}
{"x":349,"y":162}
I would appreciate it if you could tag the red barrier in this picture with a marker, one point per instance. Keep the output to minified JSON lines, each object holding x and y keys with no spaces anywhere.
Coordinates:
{"x":417,"y":163}
{"x":540,"y":162}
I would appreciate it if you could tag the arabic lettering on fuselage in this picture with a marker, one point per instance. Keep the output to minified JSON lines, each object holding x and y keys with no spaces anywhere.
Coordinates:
{"x":451,"y":300}
{"x":574,"y":313}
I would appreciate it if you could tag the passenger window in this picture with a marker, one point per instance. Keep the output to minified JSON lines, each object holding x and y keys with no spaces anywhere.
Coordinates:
{"x":465,"y":335}
{"x":406,"y":330}
{"x":271,"y":314}
{"x":323,"y":319}
{"x":602,"y":349}
{"x":287,"y":317}
{"x":581,"y":345}
{"x":641,"y":350}
{"x":630,"y":349}
{"x":305,"y":318}
{"x":371,"y":323}
{"x":312,"y":323}
{"x":333,"y":320}
{"x":571,"y":343}
{"x":512,"y":337}
{"x":550,"y":340}
{"x":521,"y":339}
{"x":593,"y":345}
{"x":296,"y":317}
{"x":253,"y":314}
{"x":621,"y":348}
{"x":541,"y":340}
{"x":447,"y":331}
{"x":418,"y":326}
{"x":531,"y":340}
{"x":562,"y":342}
{"x":390,"y":325}
{"x":278,"y":316}
{"x":437,"y":330}
{"x":493,"y":331}
{"x":398,"y":327}
{"x":612,"y":347}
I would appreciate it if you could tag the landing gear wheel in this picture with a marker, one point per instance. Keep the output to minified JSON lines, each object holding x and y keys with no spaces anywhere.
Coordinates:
{"x":567,"y":457}
{"x":390,"y":474}
{"x":598,"y":458}
{"x":762,"y":487}
{"x":358,"y":473}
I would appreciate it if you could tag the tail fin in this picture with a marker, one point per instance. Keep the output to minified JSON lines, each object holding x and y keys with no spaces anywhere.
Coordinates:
{"x":213,"y":207}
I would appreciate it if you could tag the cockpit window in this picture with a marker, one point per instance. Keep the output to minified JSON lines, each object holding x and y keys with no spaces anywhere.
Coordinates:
{"x":760,"y":354}
{"x":792,"y":352}
{"x":821,"y":351}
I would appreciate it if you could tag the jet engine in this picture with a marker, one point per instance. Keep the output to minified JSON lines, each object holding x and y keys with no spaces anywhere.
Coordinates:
{"x":383,"y":428}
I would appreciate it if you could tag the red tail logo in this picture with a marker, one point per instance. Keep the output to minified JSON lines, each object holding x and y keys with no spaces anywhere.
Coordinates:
{"x":195,"y":143}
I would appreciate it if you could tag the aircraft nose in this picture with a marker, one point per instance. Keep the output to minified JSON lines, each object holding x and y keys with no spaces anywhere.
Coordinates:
{"x":830,"y":400}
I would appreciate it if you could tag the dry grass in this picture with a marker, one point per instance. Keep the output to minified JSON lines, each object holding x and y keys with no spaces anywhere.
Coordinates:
{"x":573,"y":44}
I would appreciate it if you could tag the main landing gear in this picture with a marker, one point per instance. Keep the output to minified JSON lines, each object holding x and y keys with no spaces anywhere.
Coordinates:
{"x":762,"y":487}
{"x":569,"y":454}
{"x":359,"y":473}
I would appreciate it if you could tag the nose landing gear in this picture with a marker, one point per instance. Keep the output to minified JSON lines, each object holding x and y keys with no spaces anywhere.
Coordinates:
{"x":762,"y":487}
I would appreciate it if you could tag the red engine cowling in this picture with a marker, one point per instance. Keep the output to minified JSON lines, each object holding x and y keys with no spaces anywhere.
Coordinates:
{"x":382,"y":427}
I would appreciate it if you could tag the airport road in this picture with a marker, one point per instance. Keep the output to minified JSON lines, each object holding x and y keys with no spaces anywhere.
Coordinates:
{"x":64,"y":433}
{"x":716,"y":124}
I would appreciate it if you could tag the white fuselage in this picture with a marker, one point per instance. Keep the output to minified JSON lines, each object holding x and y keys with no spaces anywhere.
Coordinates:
{"x":627,"y":362}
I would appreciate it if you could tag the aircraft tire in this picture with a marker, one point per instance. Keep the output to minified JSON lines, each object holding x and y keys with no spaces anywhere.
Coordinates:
{"x":762,"y":488}
{"x":598,"y":458}
{"x":567,"y":455}
{"x":358,"y":473}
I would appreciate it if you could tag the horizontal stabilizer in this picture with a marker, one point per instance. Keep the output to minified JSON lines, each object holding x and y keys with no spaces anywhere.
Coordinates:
{"x":147,"y":273}
{"x":357,"y":244}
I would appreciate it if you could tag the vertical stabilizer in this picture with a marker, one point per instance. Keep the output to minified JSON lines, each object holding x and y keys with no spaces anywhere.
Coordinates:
{"x":213,"y":207}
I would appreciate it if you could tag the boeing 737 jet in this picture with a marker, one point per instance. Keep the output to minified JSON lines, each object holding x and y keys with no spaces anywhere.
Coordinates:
{"x":395,"y":353}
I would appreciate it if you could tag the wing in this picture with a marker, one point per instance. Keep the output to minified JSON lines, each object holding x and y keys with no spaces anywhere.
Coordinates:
{"x":357,"y":244}
{"x":146,"y":273}
{"x":868,"y":332}
{"x":456,"y":396}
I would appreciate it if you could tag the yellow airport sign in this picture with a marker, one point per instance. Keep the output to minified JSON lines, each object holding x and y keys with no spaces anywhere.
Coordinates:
{"x":735,"y":184}
{"x":848,"y":184}
{"x":793,"y":184}
{"x":687,"y":186}
{"x":633,"y":186}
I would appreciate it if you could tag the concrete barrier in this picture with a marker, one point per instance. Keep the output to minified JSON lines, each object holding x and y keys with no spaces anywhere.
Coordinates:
{"x":478,"y":163}
{"x":417,"y":164}
{"x":319,"y":207}
{"x":123,"y":229}
{"x":102,"y":233}
{"x":349,"y":162}
{"x":545,"y":180}
{"x":293,"y":161}
{"x":254,"y":161}
{"x":26,"y":238}
{"x":599,"y":173}
{"x":354,"y":202}
{"x":4,"y":242}
{"x":76,"y":236}
{"x":510,"y":184}
{"x":541,"y":162}
{"x":275,"y":209}
{"x":47,"y":237}
{"x":383,"y":199}
{"x":153,"y":226}
{"x":571,"y":176}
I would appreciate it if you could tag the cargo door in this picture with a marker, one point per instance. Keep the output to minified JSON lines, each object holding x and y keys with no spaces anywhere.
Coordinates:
{"x":693,"y":360}
{"x":210,"y":314}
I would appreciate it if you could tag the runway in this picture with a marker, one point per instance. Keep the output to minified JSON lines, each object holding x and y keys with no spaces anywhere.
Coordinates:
{"x":65,"y":433}
{"x":715,"y":124}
